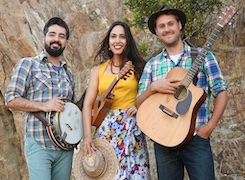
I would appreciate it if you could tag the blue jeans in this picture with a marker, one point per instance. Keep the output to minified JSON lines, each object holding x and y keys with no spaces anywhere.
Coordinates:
{"x":196,"y":157}
{"x":47,"y":164}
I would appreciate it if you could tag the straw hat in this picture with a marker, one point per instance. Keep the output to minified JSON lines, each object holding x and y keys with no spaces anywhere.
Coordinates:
{"x":164,"y":10}
{"x":102,"y":165}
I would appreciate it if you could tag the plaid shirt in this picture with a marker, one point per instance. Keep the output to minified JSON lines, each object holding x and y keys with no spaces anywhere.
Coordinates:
{"x":36,"y":80}
{"x":209,"y":76}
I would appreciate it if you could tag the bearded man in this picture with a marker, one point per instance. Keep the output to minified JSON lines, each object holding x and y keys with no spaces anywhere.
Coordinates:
{"x":39,"y":84}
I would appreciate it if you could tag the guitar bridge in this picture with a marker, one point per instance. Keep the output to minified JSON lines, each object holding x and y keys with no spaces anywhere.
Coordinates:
{"x":168,"y":111}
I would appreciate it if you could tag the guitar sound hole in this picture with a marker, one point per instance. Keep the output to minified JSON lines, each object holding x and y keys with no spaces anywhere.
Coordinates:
{"x":181,"y":92}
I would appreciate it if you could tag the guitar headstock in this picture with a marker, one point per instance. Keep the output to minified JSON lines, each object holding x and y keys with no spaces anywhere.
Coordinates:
{"x":229,"y":12}
{"x":127,"y":68}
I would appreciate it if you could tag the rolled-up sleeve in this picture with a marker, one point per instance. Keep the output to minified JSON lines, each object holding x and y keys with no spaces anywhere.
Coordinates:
{"x":215,"y":79}
{"x":18,"y":82}
{"x":145,"y":79}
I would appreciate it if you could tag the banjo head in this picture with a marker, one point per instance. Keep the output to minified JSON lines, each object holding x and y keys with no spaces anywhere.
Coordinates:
{"x":66,"y":128}
{"x":70,"y":122}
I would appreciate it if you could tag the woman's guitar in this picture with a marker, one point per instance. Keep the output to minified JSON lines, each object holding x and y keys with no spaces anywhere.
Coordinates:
{"x":169,"y":119}
{"x":103,"y":104}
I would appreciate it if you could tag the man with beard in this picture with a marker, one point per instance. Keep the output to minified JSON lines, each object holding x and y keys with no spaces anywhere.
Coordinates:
{"x":197,"y":157}
{"x":38,"y":84}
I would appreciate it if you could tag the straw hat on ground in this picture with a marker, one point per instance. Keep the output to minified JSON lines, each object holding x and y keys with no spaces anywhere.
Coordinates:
{"x":102,"y":165}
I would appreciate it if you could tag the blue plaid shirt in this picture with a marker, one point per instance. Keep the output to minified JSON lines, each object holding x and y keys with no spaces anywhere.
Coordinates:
{"x":35,"y":79}
{"x":210,"y":78}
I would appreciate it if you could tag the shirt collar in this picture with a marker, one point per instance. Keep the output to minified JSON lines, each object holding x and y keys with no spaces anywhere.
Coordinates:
{"x":43,"y":57}
{"x":186,"y":51}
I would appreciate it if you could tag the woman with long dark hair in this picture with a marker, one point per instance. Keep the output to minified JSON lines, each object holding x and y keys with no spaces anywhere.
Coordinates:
{"x":119,"y":125}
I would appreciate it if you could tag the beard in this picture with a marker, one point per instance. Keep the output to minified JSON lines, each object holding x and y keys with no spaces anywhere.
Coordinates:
{"x":172,"y":43}
{"x":55,"y":52}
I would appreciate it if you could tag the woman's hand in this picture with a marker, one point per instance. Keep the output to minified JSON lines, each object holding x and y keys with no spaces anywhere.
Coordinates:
{"x":88,"y":146}
{"x":130,"y":111}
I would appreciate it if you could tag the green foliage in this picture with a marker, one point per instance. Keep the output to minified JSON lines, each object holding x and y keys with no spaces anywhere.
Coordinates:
{"x":142,"y":9}
{"x":143,"y":49}
{"x":197,"y":12}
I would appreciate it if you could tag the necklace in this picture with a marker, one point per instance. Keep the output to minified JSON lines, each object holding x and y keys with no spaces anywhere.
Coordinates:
{"x":111,"y":64}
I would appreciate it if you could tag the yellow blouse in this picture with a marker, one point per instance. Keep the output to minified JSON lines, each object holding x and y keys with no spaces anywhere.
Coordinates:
{"x":125,"y":91}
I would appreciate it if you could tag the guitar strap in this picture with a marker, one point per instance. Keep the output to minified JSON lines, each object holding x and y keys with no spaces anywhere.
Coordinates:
{"x":194,"y":53}
{"x":41,"y":117}
{"x":81,"y":100}
{"x":66,"y":70}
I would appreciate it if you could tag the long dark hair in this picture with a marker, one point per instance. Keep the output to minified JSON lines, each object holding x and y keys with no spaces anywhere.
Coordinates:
{"x":130,"y":52}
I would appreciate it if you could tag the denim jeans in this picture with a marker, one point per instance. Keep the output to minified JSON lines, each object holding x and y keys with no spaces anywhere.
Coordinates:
{"x":47,"y":164}
{"x":196,"y":157}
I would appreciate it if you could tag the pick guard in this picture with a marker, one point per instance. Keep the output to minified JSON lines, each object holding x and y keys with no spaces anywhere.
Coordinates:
{"x":184,"y":105}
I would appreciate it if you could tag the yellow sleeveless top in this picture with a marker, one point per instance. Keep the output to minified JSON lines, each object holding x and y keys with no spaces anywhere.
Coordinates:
{"x":125,"y":91}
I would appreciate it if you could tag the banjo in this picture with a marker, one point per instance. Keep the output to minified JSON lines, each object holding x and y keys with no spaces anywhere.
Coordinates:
{"x":65,"y":129}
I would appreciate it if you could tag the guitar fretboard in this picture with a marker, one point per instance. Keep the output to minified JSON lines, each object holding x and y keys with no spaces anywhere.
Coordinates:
{"x":200,"y":57}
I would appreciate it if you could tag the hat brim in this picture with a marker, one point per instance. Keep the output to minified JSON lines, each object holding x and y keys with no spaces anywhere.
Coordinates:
{"x":110,"y":156}
{"x":153,"y":17}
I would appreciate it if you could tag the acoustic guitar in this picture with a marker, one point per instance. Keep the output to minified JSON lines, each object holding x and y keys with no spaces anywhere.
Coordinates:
{"x":102,"y":105}
{"x":169,"y":119}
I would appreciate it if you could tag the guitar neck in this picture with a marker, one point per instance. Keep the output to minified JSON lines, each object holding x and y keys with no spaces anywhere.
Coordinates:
{"x":126,"y":68}
{"x":110,"y":88}
{"x":200,"y":57}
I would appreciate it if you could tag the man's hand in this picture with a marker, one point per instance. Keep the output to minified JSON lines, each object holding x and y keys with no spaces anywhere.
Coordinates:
{"x":55,"y":104}
{"x":205,"y":130}
{"x":164,"y":85}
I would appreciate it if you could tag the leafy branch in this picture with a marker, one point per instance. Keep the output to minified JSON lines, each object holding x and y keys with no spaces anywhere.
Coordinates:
{"x":198,"y":13}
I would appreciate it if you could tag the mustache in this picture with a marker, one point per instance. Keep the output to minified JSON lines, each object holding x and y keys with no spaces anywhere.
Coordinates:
{"x":55,"y":42}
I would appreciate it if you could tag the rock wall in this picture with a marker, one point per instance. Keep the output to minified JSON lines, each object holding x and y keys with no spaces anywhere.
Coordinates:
{"x":21,"y":24}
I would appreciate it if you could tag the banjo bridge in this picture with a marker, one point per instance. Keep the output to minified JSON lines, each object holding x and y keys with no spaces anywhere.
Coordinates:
{"x":69,"y":127}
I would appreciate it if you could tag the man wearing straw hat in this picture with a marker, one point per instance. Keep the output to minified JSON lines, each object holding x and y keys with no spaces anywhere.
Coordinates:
{"x":167,"y":24}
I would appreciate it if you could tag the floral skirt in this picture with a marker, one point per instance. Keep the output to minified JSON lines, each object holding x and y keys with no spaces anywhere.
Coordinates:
{"x":129,"y":144}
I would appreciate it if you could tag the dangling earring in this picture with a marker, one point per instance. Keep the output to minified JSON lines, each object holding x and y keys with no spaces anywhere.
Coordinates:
{"x":109,"y":48}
